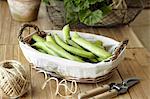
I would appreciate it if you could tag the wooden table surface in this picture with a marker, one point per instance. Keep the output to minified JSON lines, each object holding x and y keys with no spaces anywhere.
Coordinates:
{"x":136,"y":62}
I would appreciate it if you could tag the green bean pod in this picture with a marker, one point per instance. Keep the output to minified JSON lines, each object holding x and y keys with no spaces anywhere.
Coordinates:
{"x":90,"y":46}
{"x":49,"y":38}
{"x":72,"y":43}
{"x":67,"y":38}
{"x":99,"y":44}
{"x":73,"y":50}
{"x":42,"y":46}
{"x":37,"y":38}
{"x":66,"y":33}
{"x":62,"y":52}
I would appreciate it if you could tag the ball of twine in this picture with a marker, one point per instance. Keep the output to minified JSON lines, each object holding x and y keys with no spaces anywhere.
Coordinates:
{"x":14,"y":81}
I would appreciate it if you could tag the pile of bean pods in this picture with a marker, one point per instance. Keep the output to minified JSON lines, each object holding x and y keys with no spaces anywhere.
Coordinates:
{"x":74,"y":48}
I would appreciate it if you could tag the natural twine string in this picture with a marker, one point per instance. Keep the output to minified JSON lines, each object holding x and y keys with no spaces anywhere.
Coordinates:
{"x":69,"y":91}
{"x":14,"y":81}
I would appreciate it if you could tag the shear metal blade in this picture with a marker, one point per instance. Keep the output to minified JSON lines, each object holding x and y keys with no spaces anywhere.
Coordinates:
{"x":126,"y":84}
{"x":131,"y":81}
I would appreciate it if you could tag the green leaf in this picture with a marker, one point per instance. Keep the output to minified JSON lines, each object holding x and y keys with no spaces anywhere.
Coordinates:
{"x":80,"y":10}
{"x":83,"y":14}
{"x":84,"y":4}
{"x":90,"y":18}
{"x":71,"y":11}
{"x":69,"y":6}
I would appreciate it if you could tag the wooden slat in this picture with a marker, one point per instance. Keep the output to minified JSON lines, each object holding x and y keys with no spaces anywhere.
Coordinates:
{"x":5,"y":28}
{"x":15,"y":26}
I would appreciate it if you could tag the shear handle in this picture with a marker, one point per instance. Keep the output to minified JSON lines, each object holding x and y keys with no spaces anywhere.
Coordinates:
{"x":94,"y":92}
{"x":106,"y":95}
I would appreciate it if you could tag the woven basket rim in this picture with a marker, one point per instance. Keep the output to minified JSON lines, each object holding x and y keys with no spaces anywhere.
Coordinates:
{"x":27,"y":39}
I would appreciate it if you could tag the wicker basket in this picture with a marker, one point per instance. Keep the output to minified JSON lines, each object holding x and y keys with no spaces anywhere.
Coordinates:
{"x":120,"y":15}
{"x":72,"y":70}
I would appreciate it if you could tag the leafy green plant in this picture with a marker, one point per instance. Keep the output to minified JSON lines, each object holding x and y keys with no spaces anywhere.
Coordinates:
{"x":88,"y":12}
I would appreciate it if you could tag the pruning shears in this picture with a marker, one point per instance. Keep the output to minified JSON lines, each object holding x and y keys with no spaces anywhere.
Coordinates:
{"x":109,"y":90}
